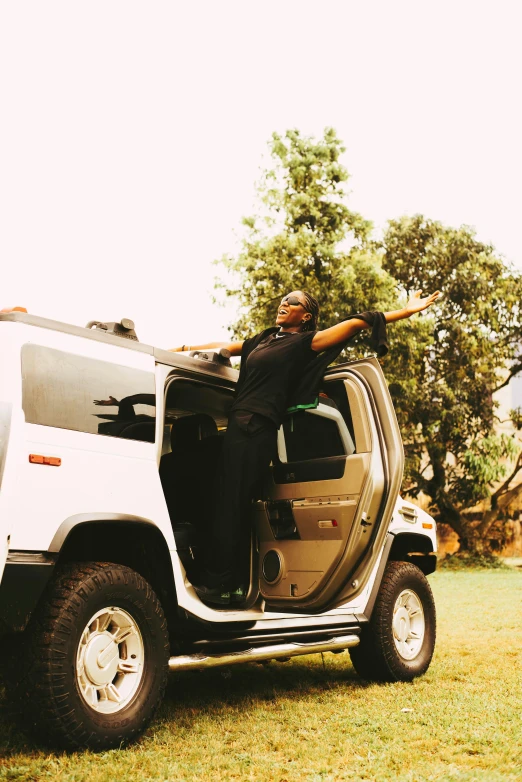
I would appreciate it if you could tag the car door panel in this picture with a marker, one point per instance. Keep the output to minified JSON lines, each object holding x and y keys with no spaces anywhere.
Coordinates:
{"x":321,"y":528}
{"x":386,"y":429}
{"x":330,"y":469}
{"x":335,"y":519}
{"x":324,"y":510}
{"x":349,"y":481}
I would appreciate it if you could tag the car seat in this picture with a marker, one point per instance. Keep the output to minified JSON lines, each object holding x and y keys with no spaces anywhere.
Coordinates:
{"x":143,"y":430}
{"x":187,"y":476}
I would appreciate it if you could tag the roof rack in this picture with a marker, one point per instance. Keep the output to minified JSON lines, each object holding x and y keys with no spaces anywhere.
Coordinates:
{"x":218,"y":356}
{"x":125,"y":328}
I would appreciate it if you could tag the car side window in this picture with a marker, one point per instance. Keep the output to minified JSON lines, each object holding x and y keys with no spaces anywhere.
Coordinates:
{"x":336,"y":395}
{"x":68,"y":391}
{"x":194,"y":411}
{"x":310,"y":436}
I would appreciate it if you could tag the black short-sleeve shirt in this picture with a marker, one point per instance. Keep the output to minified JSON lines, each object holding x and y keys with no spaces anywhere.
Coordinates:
{"x":271,"y":367}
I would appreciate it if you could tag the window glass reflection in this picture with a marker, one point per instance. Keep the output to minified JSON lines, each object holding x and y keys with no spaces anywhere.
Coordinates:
{"x":86,"y":395}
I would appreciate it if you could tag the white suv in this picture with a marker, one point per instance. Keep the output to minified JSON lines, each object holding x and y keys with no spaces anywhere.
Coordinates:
{"x":108,"y":450}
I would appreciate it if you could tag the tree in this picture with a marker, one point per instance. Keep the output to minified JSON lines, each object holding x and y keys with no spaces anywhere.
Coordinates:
{"x":443,"y":367}
{"x":304,"y":236}
{"x":444,"y":393}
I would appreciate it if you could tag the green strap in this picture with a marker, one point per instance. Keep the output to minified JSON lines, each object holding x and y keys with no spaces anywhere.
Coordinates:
{"x":295,"y":408}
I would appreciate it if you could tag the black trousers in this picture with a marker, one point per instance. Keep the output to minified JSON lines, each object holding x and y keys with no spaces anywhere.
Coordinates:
{"x":249,"y":447}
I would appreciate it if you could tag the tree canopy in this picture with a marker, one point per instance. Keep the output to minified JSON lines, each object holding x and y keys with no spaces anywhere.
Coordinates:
{"x":444,"y":394}
{"x":304,"y":236}
{"x":443,"y":367}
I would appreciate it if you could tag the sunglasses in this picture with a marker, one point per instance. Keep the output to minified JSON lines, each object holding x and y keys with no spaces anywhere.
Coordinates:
{"x":293,"y":301}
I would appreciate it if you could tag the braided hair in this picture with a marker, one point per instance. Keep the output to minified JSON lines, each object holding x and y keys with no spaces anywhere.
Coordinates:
{"x":312,"y":306}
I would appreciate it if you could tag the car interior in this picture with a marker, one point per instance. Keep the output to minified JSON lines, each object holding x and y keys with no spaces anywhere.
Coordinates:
{"x":313,"y":449}
{"x":196,"y":416}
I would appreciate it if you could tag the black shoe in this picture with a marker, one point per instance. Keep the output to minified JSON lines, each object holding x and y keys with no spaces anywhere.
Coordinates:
{"x":238,"y":595}
{"x":214,"y":579}
{"x":212,"y":595}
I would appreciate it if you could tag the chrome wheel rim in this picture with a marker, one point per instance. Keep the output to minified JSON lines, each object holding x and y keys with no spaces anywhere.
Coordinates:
{"x":408,"y":624}
{"x":110,"y":660}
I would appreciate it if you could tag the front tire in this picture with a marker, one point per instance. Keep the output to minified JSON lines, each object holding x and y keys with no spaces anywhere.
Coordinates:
{"x":96,"y":658}
{"x":399,"y":641}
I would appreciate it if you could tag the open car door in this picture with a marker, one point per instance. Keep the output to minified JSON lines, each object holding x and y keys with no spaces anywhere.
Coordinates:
{"x":331,"y":493}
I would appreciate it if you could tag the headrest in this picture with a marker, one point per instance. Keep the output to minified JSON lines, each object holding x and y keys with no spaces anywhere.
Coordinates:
{"x":191,"y":429}
{"x":143,"y":430}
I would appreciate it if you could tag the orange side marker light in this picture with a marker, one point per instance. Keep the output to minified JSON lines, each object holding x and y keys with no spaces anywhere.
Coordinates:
{"x":52,"y":461}
{"x":427,"y":525}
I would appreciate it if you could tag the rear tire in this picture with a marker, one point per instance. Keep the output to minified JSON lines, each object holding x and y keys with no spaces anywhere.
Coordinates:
{"x":399,"y":641}
{"x":95,"y":659}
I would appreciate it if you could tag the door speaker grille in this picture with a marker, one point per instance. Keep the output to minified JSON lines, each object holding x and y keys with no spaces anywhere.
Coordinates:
{"x":272,"y":566}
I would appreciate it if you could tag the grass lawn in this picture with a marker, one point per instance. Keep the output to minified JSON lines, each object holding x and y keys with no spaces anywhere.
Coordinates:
{"x":310,"y":720}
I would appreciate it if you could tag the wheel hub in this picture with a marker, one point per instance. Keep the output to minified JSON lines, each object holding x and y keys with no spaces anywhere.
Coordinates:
{"x":110,"y":660}
{"x":401,"y":624}
{"x":408,"y":624}
{"x":101,"y":659}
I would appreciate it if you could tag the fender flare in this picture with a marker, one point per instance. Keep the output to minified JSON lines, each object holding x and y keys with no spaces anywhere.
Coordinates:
{"x":66,"y":527}
{"x":429,"y":560}
{"x":28,"y":573}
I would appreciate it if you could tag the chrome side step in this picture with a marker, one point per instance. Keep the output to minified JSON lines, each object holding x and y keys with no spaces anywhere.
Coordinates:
{"x":255,"y":654}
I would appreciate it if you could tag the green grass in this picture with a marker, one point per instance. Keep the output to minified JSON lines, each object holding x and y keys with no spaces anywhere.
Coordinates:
{"x":310,"y":720}
{"x":460,"y":561}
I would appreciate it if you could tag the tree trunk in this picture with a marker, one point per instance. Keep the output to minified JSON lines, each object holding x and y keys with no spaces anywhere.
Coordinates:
{"x":468,"y":539}
{"x":500,"y":503}
{"x":448,"y":511}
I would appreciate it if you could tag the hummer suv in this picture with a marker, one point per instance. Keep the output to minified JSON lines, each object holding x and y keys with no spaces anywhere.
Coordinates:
{"x":108,"y":452}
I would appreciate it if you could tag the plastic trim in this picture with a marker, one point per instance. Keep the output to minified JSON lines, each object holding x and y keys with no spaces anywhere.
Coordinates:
{"x":26,"y":575}
{"x":368,"y":609}
{"x":77,"y":331}
{"x":70,"y":523}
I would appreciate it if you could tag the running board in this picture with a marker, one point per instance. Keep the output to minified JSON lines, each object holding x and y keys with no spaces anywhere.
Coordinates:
{"x":255,"y":654}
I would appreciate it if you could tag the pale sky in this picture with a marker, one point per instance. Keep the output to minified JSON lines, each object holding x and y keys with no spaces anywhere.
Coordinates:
{"x":131,"y":136}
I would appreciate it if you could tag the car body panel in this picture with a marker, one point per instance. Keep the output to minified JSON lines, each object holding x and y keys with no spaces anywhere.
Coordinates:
{"x":40,"y":504}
